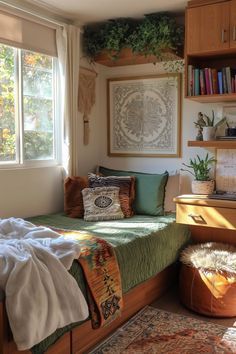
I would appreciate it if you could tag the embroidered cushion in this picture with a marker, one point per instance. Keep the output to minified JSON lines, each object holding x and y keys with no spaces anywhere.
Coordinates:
{"x":101,"y":203}
{"x":73,"y":199}
{"x":126,"y":184}
{"x":149,"y":190}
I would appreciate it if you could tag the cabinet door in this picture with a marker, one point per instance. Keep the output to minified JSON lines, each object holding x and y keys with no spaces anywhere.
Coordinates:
{"x":207,"y":28}
{"x":233,"y":23}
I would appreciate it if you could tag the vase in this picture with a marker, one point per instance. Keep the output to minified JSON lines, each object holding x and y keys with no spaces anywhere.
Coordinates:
{"x":208,"y":133}
{"x":203,"y":187}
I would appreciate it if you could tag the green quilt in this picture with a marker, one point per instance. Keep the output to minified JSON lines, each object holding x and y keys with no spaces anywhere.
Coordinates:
{"x":144,"y":246}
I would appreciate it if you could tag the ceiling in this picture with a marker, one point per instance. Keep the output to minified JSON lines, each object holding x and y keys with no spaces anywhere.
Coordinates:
{"x":88,"y":11}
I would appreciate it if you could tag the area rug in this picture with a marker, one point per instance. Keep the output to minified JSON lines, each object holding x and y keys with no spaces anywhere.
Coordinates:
{"x":156,"y":331}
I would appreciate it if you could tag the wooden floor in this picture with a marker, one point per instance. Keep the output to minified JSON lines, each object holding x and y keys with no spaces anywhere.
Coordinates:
{"x":171,"y":302}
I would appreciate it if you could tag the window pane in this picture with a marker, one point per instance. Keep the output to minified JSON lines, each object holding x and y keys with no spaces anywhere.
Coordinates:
{"x":38,"y":106}
{"x":7,"y":104}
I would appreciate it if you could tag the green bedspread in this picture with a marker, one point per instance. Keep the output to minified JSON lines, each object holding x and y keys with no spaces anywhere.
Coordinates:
{"x":144,"y":246}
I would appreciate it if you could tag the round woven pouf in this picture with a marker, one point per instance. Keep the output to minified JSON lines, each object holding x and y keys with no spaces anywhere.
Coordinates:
{"x":207,"y":282}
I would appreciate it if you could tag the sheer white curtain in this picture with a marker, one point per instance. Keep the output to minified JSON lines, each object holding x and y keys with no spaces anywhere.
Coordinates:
{"x":68,"y":47}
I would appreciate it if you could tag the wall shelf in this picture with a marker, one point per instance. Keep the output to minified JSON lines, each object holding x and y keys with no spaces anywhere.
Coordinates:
{"x":214,"y":98}
{"x":127,"y":57}
{"x":218,"y":144}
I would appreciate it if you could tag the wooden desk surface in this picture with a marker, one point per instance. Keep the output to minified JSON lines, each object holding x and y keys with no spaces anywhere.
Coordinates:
{"x":203,"y":200}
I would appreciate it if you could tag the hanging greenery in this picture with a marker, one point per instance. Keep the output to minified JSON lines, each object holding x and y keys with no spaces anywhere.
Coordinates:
{"x":148,"y":36}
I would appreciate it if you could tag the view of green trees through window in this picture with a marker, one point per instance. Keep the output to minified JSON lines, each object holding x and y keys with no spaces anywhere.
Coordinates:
{"x":26,"y":105}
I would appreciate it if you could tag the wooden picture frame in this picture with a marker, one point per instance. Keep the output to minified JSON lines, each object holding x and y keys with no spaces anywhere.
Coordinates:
{"x":144,"y":116}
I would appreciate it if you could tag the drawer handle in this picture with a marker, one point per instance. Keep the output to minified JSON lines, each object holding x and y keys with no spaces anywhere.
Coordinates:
{"x":223,"y":40}
{"x":197,"y":218}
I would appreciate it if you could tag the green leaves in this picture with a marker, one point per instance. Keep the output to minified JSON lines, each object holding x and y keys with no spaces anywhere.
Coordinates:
{"x":148,"y":36}
{"x":205,"y":121}
{"x":200,"y":167}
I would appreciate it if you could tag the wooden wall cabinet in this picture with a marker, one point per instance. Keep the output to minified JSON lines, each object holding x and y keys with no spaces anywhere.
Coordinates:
{"x":210,"y":42}
{"x":207,"y":28}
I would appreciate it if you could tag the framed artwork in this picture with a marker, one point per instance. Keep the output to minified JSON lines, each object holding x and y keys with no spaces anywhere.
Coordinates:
{"x":144,"y":116}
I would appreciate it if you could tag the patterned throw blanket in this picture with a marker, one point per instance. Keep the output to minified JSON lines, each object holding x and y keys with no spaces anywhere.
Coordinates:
{"x":102,"y":274}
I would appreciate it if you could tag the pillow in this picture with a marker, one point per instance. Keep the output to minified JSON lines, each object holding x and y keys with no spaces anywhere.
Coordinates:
{"x":149,"y":190}
{"x":126,"y":185}
{"x":101,"y":203}
{"x":73,"y":199}
{"x":172,"y":191}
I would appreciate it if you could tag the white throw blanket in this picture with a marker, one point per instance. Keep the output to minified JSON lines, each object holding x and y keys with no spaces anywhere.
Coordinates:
{"x":41,"y":295}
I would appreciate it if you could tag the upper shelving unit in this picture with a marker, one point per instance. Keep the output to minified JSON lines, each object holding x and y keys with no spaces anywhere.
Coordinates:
{"x":218,"y":144}
{"x":210,"y":54}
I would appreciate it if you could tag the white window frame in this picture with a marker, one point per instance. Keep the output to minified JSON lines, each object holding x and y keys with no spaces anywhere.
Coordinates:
{"x":19,"y":121}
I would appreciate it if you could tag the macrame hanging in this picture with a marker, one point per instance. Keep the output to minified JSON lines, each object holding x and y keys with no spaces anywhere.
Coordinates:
{"x":86,"y":97}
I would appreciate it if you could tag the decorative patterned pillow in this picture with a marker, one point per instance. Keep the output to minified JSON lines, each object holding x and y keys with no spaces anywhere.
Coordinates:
{"x":101,"y":203}
{"x":126,"y":185}
{"x":73,"y":199}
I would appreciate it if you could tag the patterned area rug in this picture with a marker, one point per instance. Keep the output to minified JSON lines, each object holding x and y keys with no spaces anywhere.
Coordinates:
{"x":156,"y":331}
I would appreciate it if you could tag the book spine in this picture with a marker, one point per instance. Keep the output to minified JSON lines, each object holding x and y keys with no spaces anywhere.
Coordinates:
{"x":202,"y":82}
{"x":214,"y":81}
{"x":225,"y":90}
{"x":210,"y":81}
{"x":233,"y":84}
{"x":220,"y":82}
{"x":228,"y":79}
{"x":208,"y":91}
{"x":196,"y":82}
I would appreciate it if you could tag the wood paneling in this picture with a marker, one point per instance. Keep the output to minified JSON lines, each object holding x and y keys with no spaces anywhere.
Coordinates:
{"x":206,"y":234}
{"x":83,"y":337}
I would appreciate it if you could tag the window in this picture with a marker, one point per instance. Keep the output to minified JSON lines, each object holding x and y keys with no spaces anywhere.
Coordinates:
{"x":27,"y":107}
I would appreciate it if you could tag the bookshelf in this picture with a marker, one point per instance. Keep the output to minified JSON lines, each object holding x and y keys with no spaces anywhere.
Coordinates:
{"x":228,"y":144}
{"x":210,"y":51}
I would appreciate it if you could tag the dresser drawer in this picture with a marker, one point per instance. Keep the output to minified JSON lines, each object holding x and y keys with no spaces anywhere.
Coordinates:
{"x":223,"y":218}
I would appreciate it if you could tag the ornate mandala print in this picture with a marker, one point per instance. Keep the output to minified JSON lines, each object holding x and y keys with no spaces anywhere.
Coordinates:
{"x":144,"y":115}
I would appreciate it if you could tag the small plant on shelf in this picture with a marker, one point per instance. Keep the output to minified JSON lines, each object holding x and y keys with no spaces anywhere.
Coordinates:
{"x":200,"y":169}
{"x":207,"y":127}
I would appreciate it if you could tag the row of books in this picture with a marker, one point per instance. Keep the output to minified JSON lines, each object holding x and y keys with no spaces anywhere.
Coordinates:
{"x":209,"y":81}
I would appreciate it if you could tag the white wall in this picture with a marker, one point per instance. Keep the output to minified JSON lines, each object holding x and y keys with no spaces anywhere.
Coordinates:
{"x":29,"y":192}
{"x":190,"y":110}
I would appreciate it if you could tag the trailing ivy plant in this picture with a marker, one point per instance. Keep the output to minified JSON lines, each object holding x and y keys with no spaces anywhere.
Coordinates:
{"x":148,"y":36}
{"x":111,"y":35}
{"x":155,"y":33}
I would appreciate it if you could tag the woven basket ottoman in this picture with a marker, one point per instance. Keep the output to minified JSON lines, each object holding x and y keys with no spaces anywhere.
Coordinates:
{"x":208,"y":279}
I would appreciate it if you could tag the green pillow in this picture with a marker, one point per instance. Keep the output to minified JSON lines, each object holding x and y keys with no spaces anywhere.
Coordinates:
{"x":149,"y":190}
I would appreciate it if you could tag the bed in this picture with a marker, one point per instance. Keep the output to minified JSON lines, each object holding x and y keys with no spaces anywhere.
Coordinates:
{"x":146,"y":247}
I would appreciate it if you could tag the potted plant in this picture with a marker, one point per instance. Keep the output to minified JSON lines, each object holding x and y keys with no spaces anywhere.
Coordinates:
{"x":149,"y":37}
{"x":207,"y":127}
{"x":200,"y":169}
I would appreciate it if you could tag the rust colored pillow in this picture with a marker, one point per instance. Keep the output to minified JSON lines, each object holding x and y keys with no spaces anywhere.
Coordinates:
{"x":127,"y":189}
{"x":73,"y":199}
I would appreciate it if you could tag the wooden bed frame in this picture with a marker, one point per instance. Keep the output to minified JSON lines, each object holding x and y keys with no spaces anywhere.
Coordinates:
{"x":83,"y":337}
